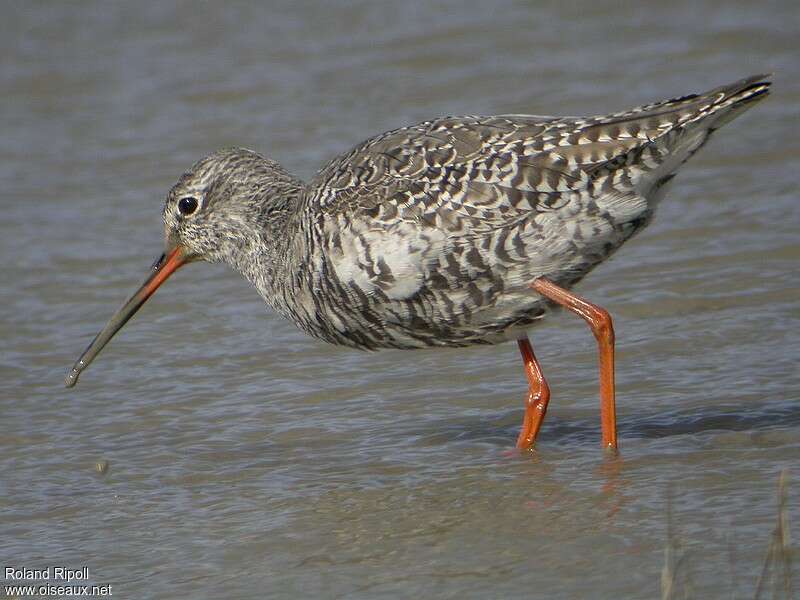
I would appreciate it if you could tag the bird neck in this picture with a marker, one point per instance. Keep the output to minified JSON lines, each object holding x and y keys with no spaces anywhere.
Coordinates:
{"x":266,"y":236}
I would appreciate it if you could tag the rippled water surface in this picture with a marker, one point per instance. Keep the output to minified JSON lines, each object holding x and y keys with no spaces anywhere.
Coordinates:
{"x":246,"y":460}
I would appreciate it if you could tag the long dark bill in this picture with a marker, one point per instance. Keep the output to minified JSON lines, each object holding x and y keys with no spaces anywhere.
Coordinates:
{"x":164,"y":266}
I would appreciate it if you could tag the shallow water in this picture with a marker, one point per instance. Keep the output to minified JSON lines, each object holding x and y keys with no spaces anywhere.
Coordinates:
{"x":246,"y":460}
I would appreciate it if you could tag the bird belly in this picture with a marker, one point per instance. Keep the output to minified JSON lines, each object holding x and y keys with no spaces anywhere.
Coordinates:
{"x":411,"y":287}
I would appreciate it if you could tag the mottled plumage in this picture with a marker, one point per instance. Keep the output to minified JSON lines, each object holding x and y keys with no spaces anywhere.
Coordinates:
{"x":434,"y":234}
{"x":430,"y":235}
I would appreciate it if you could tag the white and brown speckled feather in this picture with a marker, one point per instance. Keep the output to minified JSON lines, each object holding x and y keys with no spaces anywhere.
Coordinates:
{"x":430,"y":235}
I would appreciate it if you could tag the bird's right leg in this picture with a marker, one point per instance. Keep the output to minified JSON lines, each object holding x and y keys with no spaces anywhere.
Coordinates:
{"x":538,"y":396}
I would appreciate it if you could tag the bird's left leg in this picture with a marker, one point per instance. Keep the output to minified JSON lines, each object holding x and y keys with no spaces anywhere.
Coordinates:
{"x":538,"y":396}
{"x":600,"y":323}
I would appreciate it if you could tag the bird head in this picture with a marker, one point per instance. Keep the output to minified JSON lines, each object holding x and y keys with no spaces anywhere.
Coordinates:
{"x":210,"y":211}
{"x":219,"y":207}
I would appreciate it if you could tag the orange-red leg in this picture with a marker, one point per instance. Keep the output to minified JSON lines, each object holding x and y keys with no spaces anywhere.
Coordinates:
{"x":538,"y":397}
{"x":600,"y":322}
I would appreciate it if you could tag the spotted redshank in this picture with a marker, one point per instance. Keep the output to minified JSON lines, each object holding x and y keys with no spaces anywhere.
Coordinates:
{"x":452,"y":232}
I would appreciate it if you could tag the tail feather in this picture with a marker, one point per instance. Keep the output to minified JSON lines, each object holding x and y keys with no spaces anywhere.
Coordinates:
{"x":735,"y":98}
{"x":694,"y":106}
{"x":666,"y":134}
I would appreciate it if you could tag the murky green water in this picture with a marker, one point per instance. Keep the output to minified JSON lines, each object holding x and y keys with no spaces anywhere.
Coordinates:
{"x":248,"y":461}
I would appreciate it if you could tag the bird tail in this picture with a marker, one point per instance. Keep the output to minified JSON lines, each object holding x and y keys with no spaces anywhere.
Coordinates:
{"x":722,"y":104}
{"x":730,"y":99}
{"x":666,"y":134}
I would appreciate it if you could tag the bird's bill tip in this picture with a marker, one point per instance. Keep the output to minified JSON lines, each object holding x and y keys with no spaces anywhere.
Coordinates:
{"x":162,"y":268}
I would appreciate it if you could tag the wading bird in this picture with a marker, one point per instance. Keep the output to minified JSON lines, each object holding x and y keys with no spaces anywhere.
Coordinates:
{"x":452,"y":232}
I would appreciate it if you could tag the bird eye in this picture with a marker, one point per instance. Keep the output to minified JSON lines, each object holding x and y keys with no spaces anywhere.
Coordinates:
{"x":187,"y":205}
